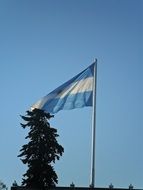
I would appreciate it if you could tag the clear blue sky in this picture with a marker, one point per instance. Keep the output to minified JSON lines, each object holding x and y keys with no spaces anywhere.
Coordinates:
{"x":44,"y":43}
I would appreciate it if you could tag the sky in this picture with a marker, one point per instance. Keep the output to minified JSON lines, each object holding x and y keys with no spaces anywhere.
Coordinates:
{"x":44,"y":43}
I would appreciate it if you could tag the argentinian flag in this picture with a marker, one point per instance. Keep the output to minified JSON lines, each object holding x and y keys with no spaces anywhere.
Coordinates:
{"x":75,"y":93}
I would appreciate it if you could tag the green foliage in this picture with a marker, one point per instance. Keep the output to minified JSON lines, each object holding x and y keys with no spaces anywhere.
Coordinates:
{"x":41,"y":151}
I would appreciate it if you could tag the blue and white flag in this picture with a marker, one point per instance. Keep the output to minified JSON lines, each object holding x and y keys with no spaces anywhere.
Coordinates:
{"x":75,"y":93}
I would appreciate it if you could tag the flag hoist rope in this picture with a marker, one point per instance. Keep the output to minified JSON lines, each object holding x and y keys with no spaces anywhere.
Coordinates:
{"x":92,"y":177}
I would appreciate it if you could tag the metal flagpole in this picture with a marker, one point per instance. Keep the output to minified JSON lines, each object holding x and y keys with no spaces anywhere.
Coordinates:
{"x":92,"y":177}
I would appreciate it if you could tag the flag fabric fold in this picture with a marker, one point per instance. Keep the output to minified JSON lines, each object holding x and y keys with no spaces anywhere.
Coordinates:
{"x":75,"y":93}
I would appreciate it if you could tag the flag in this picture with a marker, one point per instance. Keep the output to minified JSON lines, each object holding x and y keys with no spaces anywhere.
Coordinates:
{"x":75,"y":93}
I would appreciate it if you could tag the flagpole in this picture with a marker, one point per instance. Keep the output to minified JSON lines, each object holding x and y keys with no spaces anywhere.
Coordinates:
{"x":92,"y":177}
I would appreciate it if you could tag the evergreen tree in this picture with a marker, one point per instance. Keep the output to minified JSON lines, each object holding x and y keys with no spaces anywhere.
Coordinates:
{"x":2,"y":186}
{"x":41,"y":151}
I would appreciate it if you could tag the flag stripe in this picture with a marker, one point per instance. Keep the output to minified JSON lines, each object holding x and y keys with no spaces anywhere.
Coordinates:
{"x":78,"y":87}
{"x":78,"y":100}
